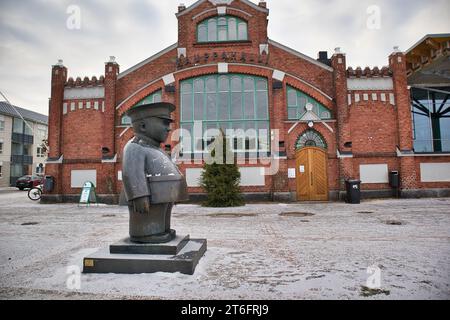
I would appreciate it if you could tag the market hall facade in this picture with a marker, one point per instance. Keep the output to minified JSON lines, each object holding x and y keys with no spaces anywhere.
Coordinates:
{"x":317,"y":121}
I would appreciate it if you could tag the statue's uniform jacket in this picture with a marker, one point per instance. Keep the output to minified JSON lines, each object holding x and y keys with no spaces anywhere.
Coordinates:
{"x":148,"y":171}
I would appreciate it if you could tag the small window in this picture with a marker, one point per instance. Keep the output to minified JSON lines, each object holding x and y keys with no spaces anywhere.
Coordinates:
{"x":40,"y":152}
{"x":222,"y":29}
{"x":1,"y":171}
{"x":1,"y":147}
{"x":311,"y":138}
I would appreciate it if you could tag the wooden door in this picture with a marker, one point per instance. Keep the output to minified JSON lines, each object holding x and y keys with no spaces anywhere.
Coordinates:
{"x":312,"y":178}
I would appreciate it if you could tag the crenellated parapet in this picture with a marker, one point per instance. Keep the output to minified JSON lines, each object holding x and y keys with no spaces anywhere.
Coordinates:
{"x":370,"y":85}
{"x":86,"y":82}
{"x":368,"y":73}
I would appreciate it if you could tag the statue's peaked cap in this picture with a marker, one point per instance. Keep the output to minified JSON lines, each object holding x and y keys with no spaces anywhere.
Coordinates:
{"x":158,"y":110}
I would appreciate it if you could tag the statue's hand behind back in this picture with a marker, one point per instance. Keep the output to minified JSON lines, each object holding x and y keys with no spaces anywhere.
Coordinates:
{"x":141,"y":205}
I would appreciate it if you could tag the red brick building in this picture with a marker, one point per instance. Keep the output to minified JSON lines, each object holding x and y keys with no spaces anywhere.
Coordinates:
{"x":317,"y":122}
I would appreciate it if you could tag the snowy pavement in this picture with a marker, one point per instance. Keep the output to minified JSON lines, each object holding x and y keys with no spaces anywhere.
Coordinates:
{"x":260,"y":251}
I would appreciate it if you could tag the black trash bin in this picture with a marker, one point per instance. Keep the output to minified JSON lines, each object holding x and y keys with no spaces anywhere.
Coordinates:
{"x":394,"y":182}
{"x":353,"y":188}
{"x":49,"y":183}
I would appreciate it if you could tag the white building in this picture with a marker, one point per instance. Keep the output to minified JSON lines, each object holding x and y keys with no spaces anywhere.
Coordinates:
{"x":21,"y":136}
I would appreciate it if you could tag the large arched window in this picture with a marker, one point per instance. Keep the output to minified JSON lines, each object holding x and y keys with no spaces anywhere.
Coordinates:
{"x":231,"y":101}
{"x":310,"y":138}
{"x":296,"y":102}
{"x":431,"y":119}
{"x":224,"y":28}
{"x":153,"y":98}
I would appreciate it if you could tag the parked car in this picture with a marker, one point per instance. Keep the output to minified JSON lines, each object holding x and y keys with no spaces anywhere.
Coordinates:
{"x":28,"y":182}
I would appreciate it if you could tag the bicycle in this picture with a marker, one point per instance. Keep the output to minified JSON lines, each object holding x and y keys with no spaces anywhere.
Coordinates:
{"x":35,"y":193}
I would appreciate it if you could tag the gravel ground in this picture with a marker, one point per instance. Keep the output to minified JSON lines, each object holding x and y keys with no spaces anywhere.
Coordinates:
{"x":260,"y":251}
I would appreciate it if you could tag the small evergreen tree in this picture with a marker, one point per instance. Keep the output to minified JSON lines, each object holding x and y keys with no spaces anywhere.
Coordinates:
{"x":220,"y":179}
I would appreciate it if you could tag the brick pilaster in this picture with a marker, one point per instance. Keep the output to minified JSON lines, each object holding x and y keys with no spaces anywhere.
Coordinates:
{"x":111,"y":72}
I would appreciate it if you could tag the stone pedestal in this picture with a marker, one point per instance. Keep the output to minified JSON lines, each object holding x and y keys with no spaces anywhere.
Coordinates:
{"x":180,"y":255}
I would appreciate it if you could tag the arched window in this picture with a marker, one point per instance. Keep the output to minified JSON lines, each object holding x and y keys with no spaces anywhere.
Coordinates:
{"x":153,"y":98}
{"x":297,"y":101}
{"x":231,"y":101}
{"x":224,"y":28}
{"x":311,"y":138}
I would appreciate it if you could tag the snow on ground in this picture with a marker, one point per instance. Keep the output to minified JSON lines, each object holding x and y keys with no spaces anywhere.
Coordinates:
{"x":260,"y":251}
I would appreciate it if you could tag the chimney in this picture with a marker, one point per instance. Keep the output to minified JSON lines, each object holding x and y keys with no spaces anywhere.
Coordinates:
{"x":181,"y":7}
{"x":323,"y":57}
{"x":262,"y":4}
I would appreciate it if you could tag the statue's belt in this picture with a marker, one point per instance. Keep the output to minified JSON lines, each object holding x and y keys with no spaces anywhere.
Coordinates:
{"x":152,"y":178}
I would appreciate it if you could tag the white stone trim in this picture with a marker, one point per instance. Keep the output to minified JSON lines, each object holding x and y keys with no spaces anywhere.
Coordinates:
{"x":327,"y":126}
{"x":370,"y":84}
{"x":293,"y":127}
{"x":221,"y":2}
{"x":148,"y":60}
{"x":113,"y":160}
{"x":181,"y":52}
{"x":222,"y":67}
{"x":97,"y":92}
{"x":168,"y":79}
{"x":202,"y":13}
{"x":401,"y":154}
{"x":310,"y":116}
{"x":227,"y":10}
{"x":264,"y":47}
{"x":278,"y":75}
{"x":392,"y":99}
{"x":300,"y":55}
{"x":240,"y":11}
{"x":59,"y":161}
{"x":217,"y":2}
{"x":343,"y":156}
{"x":221,"y":11}
{"x":124,"y":131}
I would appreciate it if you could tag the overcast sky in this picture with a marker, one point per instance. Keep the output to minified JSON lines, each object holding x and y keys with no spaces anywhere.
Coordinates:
{"x":34,"y":34}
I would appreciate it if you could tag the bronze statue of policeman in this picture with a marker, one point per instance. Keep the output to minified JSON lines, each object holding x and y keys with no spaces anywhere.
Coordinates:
{"x":152,"y":182}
